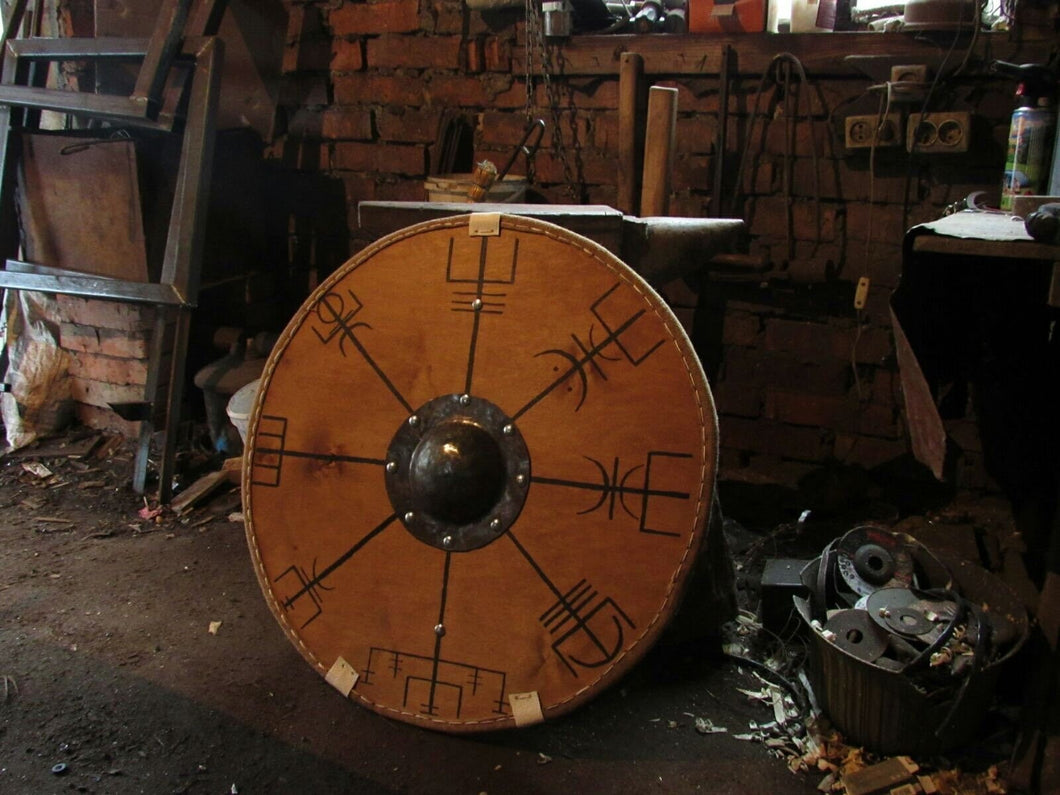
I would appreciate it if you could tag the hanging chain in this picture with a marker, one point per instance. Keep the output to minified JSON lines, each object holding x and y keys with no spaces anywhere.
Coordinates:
{"x":535,"y":37}
{"x":533,"y":21}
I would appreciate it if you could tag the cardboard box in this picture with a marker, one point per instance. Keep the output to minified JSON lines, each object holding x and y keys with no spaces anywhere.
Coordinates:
{"x":741,"y":16}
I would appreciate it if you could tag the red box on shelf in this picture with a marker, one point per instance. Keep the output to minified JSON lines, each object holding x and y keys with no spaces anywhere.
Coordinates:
{"x":741,"y":16}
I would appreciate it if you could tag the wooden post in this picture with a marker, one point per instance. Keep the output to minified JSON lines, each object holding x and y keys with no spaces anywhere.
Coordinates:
{"x":630,"y":131}
{"x":659,"y":139}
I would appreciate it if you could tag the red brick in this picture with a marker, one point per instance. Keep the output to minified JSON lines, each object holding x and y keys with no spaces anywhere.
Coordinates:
{"x":97,"y":393}
{"x":810,"y":137}
{"x":358,"y":188}
{"x":451,"y":16}
{"x":596,"y":194}
{"x":108,"y":369}
{"x":741,"y":328}
{"x":696,"y":135}
{"x":415,"y":52}
{"x":404,"y":190}
{"x":408,"y":126}
{"x":593,"y":94}
{"x":605,"y":133}
{"x":885,"y":222}
{"x":868,"y":451}
{"x":384,"y":158}
{"x":808,"y":340}
{"x":388,"y":16}
{"x":474,"y":55}
{"x":347,"y":55}
{"x":689,"y":205}
{"x":873,"y":346}
{"x":513,"y":97}
{"x":735,"y":399}
{"x":105,"y":314}
{"x":588,"y":167}
{"x":693,"y":172}
{"x":752,"y":368}
{"x":760,"y":176}
{"x":109,"y":342}
{"x":347,"y":124}
{"x":362,"y":88}
{"x":775,"y":439}
{"x":497,"y":53}
{"x":771,"y":216}
{"x":698,"y":94}
{"x":836,"y":413}
{"x":459,"y":90}
{"x":947,"y":187}
{"x":507,"y":130}
{"x":881,"y":261}
{"x":886,"y":183}
{"x":884,"y":387}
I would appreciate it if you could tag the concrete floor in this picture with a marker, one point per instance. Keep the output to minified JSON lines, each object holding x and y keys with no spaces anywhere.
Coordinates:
{"x":111,"y":672}
{"x":112,"y":682}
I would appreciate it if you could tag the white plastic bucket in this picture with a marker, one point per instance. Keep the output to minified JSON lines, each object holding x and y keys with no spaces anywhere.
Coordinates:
{"x":239,"y":407}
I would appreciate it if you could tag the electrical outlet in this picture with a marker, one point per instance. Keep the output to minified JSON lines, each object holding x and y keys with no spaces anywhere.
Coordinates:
{"x":909,"y":73}
{"x":936,"y":133}
{"x":863,"y":132}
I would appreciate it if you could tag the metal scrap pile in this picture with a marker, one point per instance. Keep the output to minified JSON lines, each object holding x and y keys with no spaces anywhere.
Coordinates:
{"x":907,"y":645}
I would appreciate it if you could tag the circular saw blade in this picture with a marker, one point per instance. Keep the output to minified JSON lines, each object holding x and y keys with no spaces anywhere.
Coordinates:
{"x":869,"y":558}
{"x":478,"y":472}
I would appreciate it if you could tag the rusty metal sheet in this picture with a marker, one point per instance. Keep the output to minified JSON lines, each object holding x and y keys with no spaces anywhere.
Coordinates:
{"x":926,"y":431}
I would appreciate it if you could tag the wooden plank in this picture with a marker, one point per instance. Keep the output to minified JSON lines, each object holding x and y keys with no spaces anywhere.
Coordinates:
{"x":79,"y":203}
{"x":659,"y":140}
{"x":819,"y":53}
{"x":198,"y":491}
{"x":630,"y":131}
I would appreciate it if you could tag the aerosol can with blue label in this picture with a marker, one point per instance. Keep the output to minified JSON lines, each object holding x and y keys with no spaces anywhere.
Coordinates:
{"x":1031,"y":133}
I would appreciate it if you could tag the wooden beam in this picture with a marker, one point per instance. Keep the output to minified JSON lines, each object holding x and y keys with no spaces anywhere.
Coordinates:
{"x":820,"y":53}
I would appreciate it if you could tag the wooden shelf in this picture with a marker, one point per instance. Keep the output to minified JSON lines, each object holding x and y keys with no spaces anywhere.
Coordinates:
{"x":840,"y":54}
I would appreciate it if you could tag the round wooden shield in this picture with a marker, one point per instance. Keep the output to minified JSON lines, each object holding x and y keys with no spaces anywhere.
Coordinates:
{"x":478,"y":472}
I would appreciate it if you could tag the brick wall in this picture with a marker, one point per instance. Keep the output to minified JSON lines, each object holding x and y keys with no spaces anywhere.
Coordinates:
{"x":801,"y":378}
{"x":109,"y":347}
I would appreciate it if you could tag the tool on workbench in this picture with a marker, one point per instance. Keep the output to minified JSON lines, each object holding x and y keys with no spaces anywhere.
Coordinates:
{"x":486,"y":174}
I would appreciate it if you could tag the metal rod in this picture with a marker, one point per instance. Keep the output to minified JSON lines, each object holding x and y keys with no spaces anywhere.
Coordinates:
{"x":27,"y":276}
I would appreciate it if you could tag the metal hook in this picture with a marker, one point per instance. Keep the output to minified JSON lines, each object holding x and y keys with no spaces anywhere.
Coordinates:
{"x":522,"y":146}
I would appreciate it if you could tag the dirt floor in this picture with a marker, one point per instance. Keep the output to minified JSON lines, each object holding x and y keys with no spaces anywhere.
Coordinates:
{"x":137,"y":655}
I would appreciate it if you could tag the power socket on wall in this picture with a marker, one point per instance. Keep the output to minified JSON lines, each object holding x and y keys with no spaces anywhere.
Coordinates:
{"x":863,"y":132}
{"x":936,"y":133}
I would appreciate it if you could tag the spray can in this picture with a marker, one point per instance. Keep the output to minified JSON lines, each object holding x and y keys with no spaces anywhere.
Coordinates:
{"x":1031,"y":132}
{"x":1030,"y":141}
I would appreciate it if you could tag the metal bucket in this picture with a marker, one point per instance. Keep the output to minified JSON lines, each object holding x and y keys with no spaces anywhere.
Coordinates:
{"x":890,"y":711}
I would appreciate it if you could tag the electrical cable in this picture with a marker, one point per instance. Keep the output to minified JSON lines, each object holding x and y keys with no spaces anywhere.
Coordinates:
{"x":801,"y":704}
{"x":781,"y":57}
